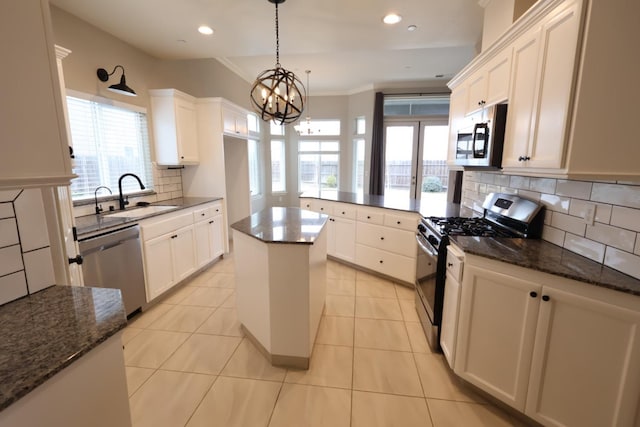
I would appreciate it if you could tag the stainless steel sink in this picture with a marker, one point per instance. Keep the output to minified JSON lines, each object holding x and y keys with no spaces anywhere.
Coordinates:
{"x":140,"y":212}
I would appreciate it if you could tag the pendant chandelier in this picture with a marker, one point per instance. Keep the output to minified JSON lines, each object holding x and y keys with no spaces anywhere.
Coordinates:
{"x":277,"y":94}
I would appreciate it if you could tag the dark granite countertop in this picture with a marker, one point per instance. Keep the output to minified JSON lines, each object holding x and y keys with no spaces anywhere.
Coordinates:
{"x":283,"y":225}
{"x":45,"y":332}
{"x":546,"y":257}
{"x":93,"y":224}
{"x":424,"y":208}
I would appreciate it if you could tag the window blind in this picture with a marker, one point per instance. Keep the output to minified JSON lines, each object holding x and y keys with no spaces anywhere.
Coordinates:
{"x":108,"y":141}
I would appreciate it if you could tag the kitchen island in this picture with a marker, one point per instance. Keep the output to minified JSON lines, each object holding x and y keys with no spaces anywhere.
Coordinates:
{"x":281,"y":281}
{"x":61,"y":359}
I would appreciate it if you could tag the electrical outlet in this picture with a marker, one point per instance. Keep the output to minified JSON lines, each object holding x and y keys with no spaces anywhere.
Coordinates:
{"x":590,"y":213}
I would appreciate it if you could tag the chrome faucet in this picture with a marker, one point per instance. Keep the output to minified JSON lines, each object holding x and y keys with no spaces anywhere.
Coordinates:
{"x":124,"y":202}
{"x":95,"y":198}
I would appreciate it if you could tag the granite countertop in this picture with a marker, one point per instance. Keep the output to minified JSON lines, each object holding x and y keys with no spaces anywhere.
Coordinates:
{"x":543,"y":256}
{"x":283,"y":225}
{"x":45,"y":332}
{"x":91,"y":224}
{"x":424,"y":208}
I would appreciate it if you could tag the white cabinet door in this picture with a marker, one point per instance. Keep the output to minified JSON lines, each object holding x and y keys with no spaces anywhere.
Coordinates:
{"x":202,"y":242}
{"x":449,"y":327}
{"x":158,"y":262}
{"x":186,"y":132}
{"x":344,"y":238}
{"x":521,"y":114}
{"x":489,"y":85}
{"x":451,"y":304}
{"x":234,"y":122}
{"x":457,"y":110}
{"x":184,"y":256}
{"x":175,"y":127}
{"x":35,"y":148}
{"x":498,"y":315}
{"x":498,"y":72}
{"x":216,"y":236}
{"x":558,"y":56}
{"x":586,"y":363}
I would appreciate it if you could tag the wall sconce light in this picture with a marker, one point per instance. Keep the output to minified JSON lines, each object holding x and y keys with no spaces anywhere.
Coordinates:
{"x":121,"y":87}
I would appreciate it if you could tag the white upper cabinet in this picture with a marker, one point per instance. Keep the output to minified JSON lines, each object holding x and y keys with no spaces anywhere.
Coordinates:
{"x":542,"y":79}
{"x":175,"y":127}
{"x":35,"y":148}
{"x":563,"y":121}
{"x":489,"y":85}
{"x":234,"y":121}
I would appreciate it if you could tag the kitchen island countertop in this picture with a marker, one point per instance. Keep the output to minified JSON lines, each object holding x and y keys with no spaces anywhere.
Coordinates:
{"x":43,"y":333}
{"x":537,"y":254}
{"x":283,"y":225}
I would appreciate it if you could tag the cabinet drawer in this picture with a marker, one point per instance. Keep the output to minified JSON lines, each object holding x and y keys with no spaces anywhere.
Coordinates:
{"x":344,"y":210}
{"x":202,"y":214}
{"x":455,"y":259}
{"x":386,"y":238}
{"x":207,"y":211}
{"x":370,"y":216}
{"x":404,"y":222}
{"x":322,"y":206}
{"x":393,"y":265}
{"x":155,"y":228}
{"x":307,"y":204}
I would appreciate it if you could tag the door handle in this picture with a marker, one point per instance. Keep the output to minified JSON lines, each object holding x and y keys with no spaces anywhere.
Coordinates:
{"x":78,"y":260}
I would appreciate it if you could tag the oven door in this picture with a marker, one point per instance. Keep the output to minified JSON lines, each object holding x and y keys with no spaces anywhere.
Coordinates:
{"x":426,"y":283}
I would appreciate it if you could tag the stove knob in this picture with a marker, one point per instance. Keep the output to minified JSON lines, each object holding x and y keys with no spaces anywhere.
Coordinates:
{"x":422,"y":228}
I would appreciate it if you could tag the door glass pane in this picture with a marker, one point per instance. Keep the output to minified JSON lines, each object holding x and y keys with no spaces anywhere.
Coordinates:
{"x":398,"y":168}
{"x":435,"y":174}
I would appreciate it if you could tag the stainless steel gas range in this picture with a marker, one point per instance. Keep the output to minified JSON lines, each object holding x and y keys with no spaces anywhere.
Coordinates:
{"x":505,"y":215}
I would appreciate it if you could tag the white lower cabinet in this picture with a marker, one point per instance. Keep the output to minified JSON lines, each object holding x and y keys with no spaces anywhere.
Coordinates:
{"x":343,"y":233}
{"x":379,"y":239}
{"x":451,"y":304}
{"x":169,"y":259}
{"x":562,"y":352}
{"x":209,"y":240}
{"x":176,"y":244}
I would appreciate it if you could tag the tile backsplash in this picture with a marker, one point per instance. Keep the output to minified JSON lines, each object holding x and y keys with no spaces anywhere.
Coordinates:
{"x":613,"y":239}
{"x":167,"y":185}
{"x":25,"y":255}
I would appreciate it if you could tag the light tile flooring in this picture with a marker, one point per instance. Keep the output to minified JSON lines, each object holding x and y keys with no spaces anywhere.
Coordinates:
{"x":188,"y":363}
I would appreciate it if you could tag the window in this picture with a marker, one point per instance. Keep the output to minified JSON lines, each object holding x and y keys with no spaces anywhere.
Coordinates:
{"x":254,"y":154}
{"x":320,"y":127}
{"x":278,"y":166}
{"x":358,"y":156}
{"x":318,"y":163}
{"x":358,"y":165}
{"x":108,"y":141}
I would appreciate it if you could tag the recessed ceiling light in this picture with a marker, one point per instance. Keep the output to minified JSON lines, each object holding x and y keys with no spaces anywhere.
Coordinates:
{"x":412,"y":28}
{"x":203,"y":29}
{"x":392,"y":18}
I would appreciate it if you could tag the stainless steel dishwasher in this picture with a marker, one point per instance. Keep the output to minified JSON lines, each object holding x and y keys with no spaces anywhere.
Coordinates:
{"x":114,"y":260}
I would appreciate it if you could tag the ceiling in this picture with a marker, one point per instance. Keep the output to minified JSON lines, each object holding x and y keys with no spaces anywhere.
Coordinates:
{"x":343,"y":42}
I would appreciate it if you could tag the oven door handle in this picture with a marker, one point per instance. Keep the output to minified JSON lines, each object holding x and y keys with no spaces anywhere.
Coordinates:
{"x":428,"y":249}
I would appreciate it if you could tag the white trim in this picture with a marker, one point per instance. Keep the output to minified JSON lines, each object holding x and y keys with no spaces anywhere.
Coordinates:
{"x":102,"y":100}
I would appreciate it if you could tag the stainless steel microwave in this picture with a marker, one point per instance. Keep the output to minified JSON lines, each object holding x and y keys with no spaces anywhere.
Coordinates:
{"x":480,"y":142}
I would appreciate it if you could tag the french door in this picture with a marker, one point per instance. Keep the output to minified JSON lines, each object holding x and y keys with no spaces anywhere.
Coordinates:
{"x":415,"y":159}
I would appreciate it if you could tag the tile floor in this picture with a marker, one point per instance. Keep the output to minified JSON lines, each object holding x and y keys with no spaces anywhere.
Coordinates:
{"x":188,"y":363}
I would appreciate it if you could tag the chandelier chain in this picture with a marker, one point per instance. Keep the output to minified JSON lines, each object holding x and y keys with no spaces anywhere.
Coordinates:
{"x":277,"y":39}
